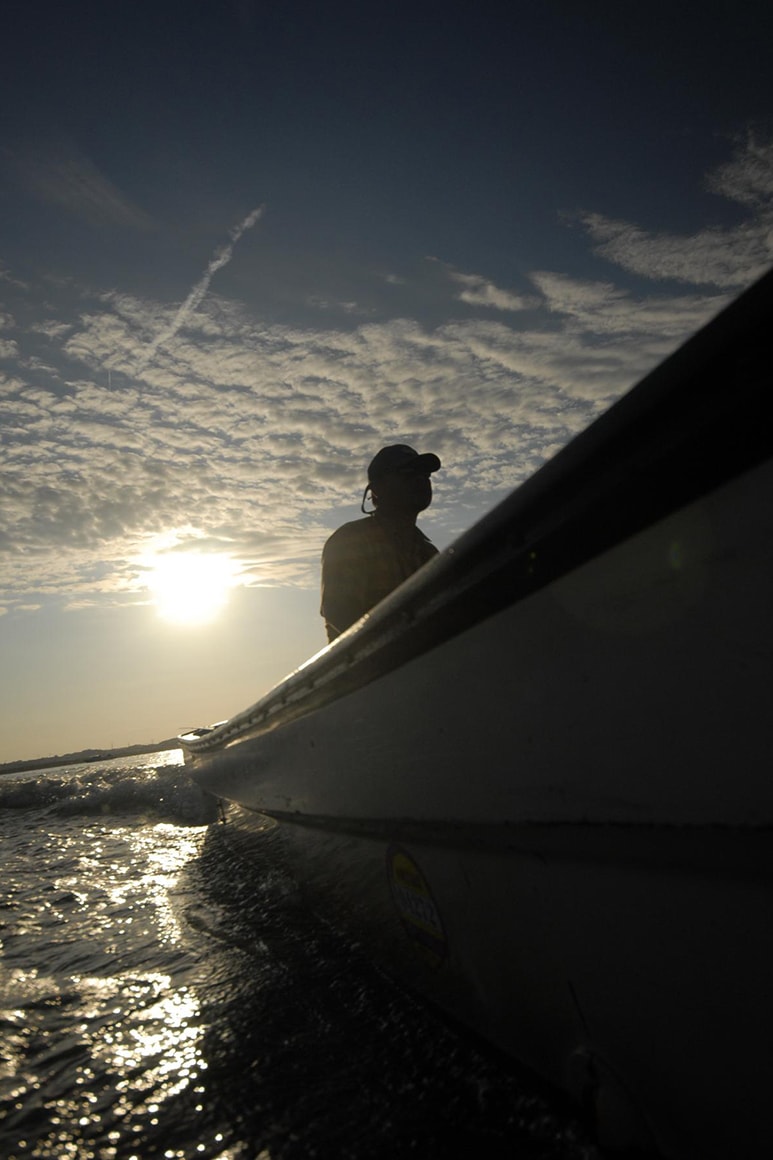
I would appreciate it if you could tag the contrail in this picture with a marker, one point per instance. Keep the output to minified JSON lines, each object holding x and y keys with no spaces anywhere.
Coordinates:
{"x":221,"y":258}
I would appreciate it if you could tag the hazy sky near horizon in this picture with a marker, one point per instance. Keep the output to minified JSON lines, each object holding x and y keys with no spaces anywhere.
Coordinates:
{"x":242,"y":246}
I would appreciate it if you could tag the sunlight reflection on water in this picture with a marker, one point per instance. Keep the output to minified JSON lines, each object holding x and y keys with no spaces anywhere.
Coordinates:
{"x":99,"y":1036}
{"x":165,"y":993}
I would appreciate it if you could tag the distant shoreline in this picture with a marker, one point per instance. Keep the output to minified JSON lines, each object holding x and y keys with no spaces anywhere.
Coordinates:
{"x":87,"y":755}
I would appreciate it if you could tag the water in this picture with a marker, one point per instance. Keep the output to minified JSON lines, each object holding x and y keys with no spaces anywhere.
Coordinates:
{"x":164,"y":992}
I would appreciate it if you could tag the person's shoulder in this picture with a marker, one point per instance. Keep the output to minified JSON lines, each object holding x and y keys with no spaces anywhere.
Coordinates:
{"x":352,"y":532}
{"x":426,"y":543}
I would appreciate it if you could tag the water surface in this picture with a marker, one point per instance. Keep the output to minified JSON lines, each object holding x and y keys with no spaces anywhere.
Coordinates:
{"x":166,"y":993}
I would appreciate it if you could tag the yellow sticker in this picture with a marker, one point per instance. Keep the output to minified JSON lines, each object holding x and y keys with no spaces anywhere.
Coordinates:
{"x":416,"y":906}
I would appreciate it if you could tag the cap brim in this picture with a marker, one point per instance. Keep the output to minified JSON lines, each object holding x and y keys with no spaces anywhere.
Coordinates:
{"x":428,"y":462}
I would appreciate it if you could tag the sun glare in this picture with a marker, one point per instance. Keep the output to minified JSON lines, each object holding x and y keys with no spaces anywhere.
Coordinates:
{"x":191,"y":587}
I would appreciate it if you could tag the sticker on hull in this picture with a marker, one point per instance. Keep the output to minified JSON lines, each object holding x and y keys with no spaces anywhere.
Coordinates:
{"x":414,"y":903}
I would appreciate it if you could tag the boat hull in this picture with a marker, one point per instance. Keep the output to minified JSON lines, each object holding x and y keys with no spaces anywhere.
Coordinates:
{"x":632,"y":690}
{"x":535,"y":781}
{"x":630,"y":969}
{"x":569,"y":850}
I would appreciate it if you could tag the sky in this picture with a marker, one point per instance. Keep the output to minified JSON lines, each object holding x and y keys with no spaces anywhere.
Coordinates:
{"x":244,"y":245}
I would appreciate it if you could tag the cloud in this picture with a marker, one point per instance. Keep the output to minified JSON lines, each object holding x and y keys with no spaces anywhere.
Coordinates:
{"x":251,"y":435}
{"x":60,"y":174}
{"x":352,"y":308}
{"x":7,"y":277}
{"x":725,"y":257}
{"x":479,"y":291}
{"x":51,"y":328}
{"x":748,"y":177}
{"x":252,"y":439}
{"x":602,"y":311}
{"x":221,"y":257}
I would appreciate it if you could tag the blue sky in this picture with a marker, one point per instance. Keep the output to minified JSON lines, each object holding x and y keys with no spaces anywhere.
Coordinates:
{"x":242,"y":246}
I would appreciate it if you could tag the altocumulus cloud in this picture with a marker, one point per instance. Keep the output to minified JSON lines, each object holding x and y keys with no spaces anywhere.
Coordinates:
{"x":244,"y":437}
{"x":479,"y":291}
{"x":726,"y":258}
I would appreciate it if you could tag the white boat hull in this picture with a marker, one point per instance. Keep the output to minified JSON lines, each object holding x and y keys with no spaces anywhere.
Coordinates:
{"x":553,"y":813}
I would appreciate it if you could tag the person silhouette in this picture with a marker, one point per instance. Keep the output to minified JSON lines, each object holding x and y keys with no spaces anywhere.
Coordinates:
{"x":364,"y":560}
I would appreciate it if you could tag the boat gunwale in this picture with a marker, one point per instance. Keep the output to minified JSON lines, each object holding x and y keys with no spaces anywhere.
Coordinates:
{"x":694,"y":423}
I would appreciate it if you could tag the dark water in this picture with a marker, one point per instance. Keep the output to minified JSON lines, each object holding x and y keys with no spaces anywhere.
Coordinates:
{"x":164,"y":992}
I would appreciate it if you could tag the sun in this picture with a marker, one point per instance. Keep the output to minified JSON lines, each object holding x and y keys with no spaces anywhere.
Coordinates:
{"x":191,"y":587}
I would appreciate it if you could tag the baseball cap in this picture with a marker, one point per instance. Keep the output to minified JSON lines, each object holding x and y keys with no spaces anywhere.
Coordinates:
{"x":400,"y":457}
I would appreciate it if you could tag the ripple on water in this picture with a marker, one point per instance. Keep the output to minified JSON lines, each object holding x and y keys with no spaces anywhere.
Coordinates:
{"x":164,"y":993}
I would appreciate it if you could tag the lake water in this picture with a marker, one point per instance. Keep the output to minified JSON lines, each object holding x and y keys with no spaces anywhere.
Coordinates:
{"x":164,"y":995}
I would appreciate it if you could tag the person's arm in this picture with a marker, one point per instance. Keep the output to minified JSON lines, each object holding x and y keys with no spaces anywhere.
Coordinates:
{"x":343,"y":599}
